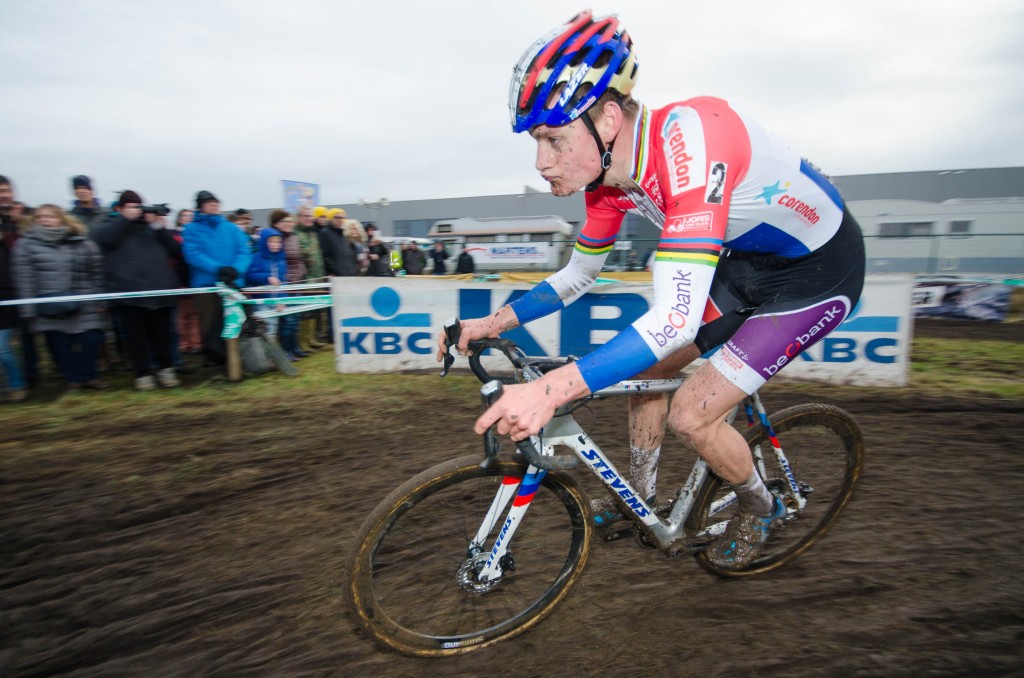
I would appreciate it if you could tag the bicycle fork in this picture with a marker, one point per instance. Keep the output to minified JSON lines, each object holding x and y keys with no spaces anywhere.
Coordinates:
{"x":521,"y":493}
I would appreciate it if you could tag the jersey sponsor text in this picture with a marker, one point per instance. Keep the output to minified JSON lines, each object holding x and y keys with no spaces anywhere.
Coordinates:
{"x":701,"y":221}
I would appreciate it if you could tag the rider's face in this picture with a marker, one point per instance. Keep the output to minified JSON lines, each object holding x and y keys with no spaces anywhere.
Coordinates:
{"x":567,"y":156}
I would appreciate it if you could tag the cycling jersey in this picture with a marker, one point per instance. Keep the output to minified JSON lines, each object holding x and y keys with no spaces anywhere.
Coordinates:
{"x":711,"y":178}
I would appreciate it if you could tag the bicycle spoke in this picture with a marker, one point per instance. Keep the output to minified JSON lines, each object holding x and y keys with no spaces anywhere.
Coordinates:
{"x":411,"y":575}
{"x":824,"y":450}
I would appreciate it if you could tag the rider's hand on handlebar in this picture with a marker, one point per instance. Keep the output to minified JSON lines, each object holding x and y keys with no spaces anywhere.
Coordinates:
{"x":524,"y":409}
{"x":478,"y":328}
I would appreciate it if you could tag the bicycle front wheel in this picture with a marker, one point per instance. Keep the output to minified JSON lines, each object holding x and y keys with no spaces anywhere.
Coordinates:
{"x":825,"y":451}
{"x":412,"y":585}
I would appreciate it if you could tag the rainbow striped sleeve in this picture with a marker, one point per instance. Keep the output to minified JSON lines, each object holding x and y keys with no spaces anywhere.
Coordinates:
{"x":595,"y":246}
{"x":702,"y":251}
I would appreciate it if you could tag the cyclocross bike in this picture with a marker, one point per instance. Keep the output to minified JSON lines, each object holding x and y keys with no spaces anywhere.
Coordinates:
{"x":469,"y":553}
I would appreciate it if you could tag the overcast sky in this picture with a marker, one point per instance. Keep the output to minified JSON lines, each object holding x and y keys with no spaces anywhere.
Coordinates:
{"x":408,"y":100}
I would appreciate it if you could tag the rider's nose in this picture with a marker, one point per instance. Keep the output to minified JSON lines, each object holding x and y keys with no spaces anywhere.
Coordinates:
{"x":545,"y":160}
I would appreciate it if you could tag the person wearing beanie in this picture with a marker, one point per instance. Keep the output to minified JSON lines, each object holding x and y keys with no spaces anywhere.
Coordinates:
{"x":215,"y":251}
{"x":203,"y":197}
{"x":85,"y":207}
{"x":320,"y":220}
{"x":138,"y":249}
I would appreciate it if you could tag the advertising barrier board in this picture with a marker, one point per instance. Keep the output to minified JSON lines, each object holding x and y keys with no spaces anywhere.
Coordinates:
{"x":392,"y":324}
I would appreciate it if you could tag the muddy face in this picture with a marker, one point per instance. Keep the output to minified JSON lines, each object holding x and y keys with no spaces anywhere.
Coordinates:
{"x":567,"y":157}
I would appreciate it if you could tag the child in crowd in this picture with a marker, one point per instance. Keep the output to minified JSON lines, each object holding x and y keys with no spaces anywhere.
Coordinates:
{"x":268,"y":267}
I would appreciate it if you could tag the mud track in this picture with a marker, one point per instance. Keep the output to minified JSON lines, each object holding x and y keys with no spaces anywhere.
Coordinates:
{"x":220,"y":551}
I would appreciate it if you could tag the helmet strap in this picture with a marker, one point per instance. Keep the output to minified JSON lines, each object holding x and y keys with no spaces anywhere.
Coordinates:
{"x":606,"y":153}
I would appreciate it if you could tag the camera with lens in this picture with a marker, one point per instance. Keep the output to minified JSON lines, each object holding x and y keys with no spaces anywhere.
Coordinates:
{"x":161,"y":210}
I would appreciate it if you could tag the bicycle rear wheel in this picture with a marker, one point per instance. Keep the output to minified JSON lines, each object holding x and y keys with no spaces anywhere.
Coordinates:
{"x":411,"y":580}
{"x":825,"y":450}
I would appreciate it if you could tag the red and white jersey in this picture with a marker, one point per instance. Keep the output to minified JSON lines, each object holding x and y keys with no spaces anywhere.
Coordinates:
{"x":712,"y":179}
{"x":703,"y":170}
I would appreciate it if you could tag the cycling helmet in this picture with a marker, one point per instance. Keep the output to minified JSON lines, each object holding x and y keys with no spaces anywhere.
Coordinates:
{"x":563,"y":73}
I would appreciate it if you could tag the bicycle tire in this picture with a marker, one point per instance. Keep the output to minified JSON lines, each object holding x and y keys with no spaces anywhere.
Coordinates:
{"x":404,"y":587}
{"x":825,"y":450}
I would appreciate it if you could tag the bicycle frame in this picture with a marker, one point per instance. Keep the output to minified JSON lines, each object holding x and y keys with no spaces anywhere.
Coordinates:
{"x":667,"y":534}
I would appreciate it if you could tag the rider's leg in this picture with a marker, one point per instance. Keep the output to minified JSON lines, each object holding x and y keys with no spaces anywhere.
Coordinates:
{"x":647,"y":416}
{"x":699,"y":412}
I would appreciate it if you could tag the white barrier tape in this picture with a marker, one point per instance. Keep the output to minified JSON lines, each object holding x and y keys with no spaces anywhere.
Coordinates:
{"x":111,"y":296}
{"x":188,"y":291}
{"x":263,"y":315}
{"x":319,"y":299}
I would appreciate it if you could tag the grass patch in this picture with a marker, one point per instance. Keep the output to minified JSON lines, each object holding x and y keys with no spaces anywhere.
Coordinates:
{"x":938,"y":366}
{"x":991,"y":367}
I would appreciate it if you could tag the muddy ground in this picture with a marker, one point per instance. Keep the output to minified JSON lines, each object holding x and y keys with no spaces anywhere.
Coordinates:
{"x":220,"y":551}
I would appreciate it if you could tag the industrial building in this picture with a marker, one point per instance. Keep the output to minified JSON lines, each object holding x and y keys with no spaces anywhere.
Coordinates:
{"x":967,"y":221}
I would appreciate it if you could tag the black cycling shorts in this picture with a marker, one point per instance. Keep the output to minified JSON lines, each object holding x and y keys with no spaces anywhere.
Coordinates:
{"x":764,"y":310}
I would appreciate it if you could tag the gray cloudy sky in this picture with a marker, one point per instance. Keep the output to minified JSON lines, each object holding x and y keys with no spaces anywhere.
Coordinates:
{"x":408,"y":100}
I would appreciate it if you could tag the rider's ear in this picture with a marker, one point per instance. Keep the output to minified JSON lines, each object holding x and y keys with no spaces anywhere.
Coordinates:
{"x":609,"y":120}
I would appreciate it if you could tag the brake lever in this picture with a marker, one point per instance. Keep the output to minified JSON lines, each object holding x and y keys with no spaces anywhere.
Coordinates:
{"x":489,"y":393}
{"x":452,"y":332}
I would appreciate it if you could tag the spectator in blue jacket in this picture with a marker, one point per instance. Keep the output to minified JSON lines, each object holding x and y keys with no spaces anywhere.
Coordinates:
{"x":269,"y":267}
{"x":215,"y":250}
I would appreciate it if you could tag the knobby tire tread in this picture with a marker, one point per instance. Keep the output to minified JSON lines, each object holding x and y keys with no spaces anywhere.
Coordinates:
{"x":783,"y":421}
{"x":360,"y":596}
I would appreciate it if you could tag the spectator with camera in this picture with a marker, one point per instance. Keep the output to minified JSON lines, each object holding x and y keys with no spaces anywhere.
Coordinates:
{"x":138,"y":249}
{"x":215,"y":251}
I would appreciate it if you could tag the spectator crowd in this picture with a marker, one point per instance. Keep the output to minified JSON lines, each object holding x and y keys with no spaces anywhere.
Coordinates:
{"x":134,"y":247}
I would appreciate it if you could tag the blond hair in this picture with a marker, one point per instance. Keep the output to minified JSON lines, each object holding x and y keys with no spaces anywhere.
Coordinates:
{"x":76,"y":226}
{"x":354,"y":230}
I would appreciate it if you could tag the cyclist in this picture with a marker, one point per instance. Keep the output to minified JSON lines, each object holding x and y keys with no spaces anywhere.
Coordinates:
{"x":758,"y":257}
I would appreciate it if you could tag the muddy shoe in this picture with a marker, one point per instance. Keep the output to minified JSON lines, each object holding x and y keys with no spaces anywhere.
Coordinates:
{"x":606,"y":511}
{"x":744,"y":538}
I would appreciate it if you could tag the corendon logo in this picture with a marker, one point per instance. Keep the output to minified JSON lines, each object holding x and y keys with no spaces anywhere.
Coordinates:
{"x":805,"y":211}
{"x":684,"y":149}
{"x":690,"y":222}
{"x":832,"y":316}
